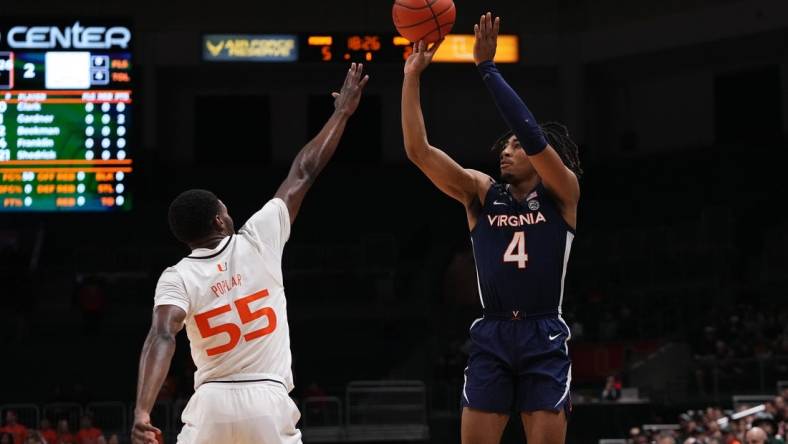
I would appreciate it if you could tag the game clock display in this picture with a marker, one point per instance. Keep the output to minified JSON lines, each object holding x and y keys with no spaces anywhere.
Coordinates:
{"x":355,"y":48}
{"x":65,"y":116}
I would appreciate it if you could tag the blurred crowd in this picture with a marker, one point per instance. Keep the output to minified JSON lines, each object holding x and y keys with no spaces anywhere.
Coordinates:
{"x":715,"y":426}
{"x":733,"y":338}
{"x":14,"y":432}
{"x":744,"y":331}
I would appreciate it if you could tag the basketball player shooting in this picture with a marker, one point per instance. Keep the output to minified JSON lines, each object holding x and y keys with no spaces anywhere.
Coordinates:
{"x":229,"y":293}
{"x":521,"y":232}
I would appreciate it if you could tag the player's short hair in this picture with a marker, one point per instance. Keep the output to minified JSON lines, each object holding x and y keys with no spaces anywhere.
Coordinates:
{"x":557,"y":136}
{"x":191,"y":215}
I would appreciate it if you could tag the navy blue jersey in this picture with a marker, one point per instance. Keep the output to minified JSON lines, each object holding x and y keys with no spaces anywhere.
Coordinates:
{"x":521,"y":251}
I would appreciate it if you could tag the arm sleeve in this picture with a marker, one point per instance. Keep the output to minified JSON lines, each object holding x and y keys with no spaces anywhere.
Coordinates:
{"x":517,"y":116}
{"x":270,"y":226}
{"x":170,"y":290}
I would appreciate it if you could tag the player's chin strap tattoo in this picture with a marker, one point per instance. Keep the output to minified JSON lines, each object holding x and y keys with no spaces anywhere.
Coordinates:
{"x":517,"y":116}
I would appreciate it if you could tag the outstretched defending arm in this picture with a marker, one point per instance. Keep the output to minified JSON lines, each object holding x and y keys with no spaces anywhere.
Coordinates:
{"x":559,"y":179}
{"x":314,"y":156}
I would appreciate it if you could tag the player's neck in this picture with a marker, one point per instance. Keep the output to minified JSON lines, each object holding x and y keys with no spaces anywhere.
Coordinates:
{"x":209,"y":242}
{"x":521,"y":189}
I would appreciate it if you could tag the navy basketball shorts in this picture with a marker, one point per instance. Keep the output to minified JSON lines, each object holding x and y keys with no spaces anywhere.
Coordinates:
{"x":518,"y":366}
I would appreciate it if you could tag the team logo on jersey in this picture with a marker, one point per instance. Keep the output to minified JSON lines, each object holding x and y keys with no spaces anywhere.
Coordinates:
{"x":221,"y":267}
{"x":533,"y":205}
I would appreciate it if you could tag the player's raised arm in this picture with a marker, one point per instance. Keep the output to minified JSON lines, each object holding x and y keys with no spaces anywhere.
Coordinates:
{"x":154,"y":365}
{"x":317,"y":152}
{"x":460,"y":183}
{"x":555,"y":175}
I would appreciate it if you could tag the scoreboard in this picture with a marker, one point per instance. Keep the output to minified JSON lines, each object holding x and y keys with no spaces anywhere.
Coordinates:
{"x":65,"y":116}
{"x":342,"y":47}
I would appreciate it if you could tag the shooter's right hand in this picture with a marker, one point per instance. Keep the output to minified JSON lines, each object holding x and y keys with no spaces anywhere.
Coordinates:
{"x":421,"y":57}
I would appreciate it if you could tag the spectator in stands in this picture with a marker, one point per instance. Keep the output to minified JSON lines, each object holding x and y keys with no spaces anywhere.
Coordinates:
{"x":316,"y":409}
{"x":64,"y":435}
{"x":666,"y":439}
{"x":740,"y":428}
{"x":756,"y":435}
{"x":6,"y":438}
{"x":113,"y":439}
{"x":729,"y":436}
{"x":87,"y":433}
{"x":772,"y":407}
{"x":689,"y":426}
{"x":612,"y":390}
{"x":47,"y":432}
{"x":713,"y":429}
{"x":767,"y":423}
{"x":35,"y":437}
{"x":13,"y":427}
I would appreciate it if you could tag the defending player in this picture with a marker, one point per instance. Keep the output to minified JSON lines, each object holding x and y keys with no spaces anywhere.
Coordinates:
{"x":229,"y":293}
{"x":521,"y":232}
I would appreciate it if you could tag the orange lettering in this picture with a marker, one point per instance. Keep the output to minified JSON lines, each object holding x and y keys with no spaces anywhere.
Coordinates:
{"x":10,"y":189}
{"x":45,"y":189}
{"x":65,"y":202}
{"x":66,"y":188}
{"x":121,"y":77}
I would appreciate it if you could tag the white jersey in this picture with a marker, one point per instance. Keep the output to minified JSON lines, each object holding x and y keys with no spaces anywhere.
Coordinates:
{"x":234,"y":298}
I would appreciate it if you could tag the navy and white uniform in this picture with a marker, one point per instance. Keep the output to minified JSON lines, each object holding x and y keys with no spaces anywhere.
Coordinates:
{"x":519,"y":359}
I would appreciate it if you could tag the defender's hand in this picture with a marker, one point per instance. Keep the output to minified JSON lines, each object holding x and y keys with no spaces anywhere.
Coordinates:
{"x":143,"y":432}
{"x":347,"y":99}
{"x":486,"y":33}
{"x":421,"y":57}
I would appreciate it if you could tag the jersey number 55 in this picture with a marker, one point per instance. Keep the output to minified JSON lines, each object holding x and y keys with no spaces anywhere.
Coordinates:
{"x":245,"y":313}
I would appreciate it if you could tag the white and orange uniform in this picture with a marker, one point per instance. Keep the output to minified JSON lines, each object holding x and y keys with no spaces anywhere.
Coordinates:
{"x":234,"y":299}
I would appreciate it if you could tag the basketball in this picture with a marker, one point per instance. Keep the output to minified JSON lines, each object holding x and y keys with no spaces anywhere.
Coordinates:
{"x":428,"y":20}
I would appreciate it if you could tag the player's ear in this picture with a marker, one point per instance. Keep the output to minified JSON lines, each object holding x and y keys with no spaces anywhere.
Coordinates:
{"x":218,"y":222}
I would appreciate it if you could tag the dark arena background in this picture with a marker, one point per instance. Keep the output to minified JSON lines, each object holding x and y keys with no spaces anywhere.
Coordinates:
{"x":676,"y":292}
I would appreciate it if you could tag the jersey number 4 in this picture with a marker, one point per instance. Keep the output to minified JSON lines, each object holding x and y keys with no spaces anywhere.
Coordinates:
{"x":515,"y":252}
{"x":245,"y":313}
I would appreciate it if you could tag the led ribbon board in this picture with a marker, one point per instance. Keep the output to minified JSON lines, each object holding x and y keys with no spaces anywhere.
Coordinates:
{"x":342,"y":48}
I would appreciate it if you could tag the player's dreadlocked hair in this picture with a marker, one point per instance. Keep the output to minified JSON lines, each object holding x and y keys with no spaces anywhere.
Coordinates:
{"x":191,"y":215}
{"x":558,"y":137}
